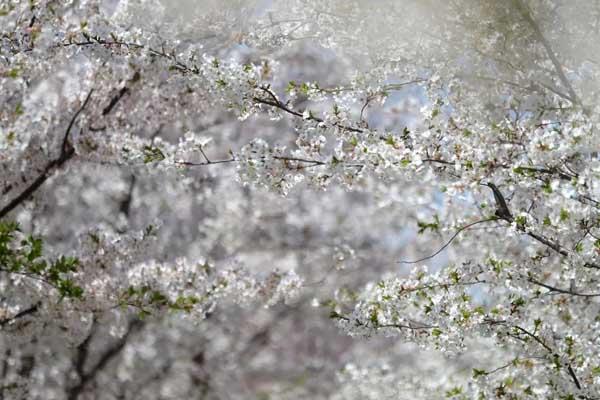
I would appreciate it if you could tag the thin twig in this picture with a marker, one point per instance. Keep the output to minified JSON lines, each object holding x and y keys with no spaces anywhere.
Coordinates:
{"x":449,"y":241}
{"x":549,"y":349}
{"x":564,"y":291}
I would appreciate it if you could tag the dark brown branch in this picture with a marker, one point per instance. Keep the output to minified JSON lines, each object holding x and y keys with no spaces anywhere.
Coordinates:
{"x":83,"y":352}
{"x":124,"y":90}
{"x":113,"y":102}
{"x":31,"y":310}
{"x":35,"y":185}
{"x":558,"y":248}
{"x":553,"y":245}
{"x":410,"y":327}
{"x":573,"y":376}
{"x":279,"y":105}
{"x":548,"y":171}
{"x":125,"y":205}
{"x":404,"y":290}
{"x":66,"y":153}
{"x":66,"y":147}
{"x":502,"y":210}
{"x":437,"y":161}
{"x":499,"y":368}
{"x":205,"y":156}
{"x":549,"y":349}
{"x":275,"y":102}
{"x":364,"y":107}
{"x":200,"y":164}
{"x":564,"y":291}
{"x":231,"y":160}
{"x":95,"y":40}
{"x":584,"y":199}
{"x":302,"y":160}
{"x":358,"y":322}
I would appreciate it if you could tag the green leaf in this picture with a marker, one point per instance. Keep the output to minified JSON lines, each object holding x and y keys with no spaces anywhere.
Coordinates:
{"x":153,"y":154}
{"x":26,"y":256}
{"x":424,"y":226}
{"x":157,"y":297}
{"x":150,"y":230}
{"x":35,"y":248}
{"x":94,"y":238}
{"x":521,"y":221}
{"x":466,"y":314}
{"x":454,"y":391}
{"x":478,"y":372}
{"x":547,"y":187}
{"x":374,"y":318}
{"x":67,"y":288}
{"x":454,"y":276}
{"x":290,"y":87}
{"x":405,"y":134}
{"x":185,"y":303}
{"x":304,"y":88}
{"x":335,"y":315}
{"x":14,"y":73}
{"x":66,"y":264}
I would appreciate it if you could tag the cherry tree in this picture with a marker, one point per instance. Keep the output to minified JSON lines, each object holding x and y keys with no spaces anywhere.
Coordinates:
{"x":300,"y":199}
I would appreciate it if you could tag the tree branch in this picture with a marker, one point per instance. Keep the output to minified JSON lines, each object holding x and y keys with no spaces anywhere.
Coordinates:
{"x":563,"y":291}
{"x":31,"y":310}
{"x":449,"y":241}
{"x":555,"y":62}
{"x":112,"y":352}
{"x":66,"y":153}
{"x":275,"y":102}
{"x":549,"y":349}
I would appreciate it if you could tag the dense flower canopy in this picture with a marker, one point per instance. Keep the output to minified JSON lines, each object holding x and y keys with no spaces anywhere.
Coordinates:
{"x":299,"y":199}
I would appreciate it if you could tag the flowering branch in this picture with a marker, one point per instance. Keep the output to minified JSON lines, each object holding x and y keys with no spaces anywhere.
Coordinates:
{"x":66,"y":153}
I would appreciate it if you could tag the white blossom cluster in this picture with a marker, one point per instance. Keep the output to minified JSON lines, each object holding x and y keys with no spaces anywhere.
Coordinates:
{"x":418,"y":172}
